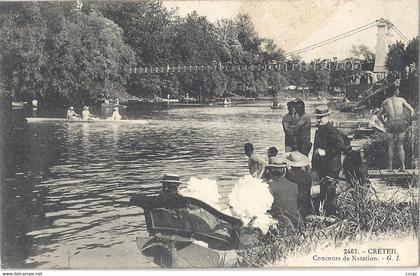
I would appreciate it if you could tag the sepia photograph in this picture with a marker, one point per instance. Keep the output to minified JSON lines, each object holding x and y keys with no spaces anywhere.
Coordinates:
{"x":229,"y":134}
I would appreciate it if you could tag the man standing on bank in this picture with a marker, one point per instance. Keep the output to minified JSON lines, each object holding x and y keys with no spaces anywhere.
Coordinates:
{"x":289,"y":123}
{"x":326,"y":157}
{"x":302,"y":129}
{"x":396,"y":124}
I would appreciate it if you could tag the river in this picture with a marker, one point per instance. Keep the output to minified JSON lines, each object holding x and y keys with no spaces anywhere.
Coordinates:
{"x":82,"y":219}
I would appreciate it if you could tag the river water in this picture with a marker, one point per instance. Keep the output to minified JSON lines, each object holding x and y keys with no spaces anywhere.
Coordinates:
{"x":82,"y":219}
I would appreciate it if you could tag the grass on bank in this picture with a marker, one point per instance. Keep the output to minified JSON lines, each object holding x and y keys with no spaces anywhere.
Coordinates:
{"x":362,"y":218}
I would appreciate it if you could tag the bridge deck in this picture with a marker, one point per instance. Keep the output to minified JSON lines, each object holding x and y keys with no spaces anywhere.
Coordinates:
{"x":392,"y":174}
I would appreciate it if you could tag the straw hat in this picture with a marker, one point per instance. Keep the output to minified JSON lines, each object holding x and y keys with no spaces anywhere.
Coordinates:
{"x":71,"y":108}
{"x":116,"y":108}
{"x":322,"y":111}
{"x":296,"y":159}
{"x":85,"y":108}
{"x":171,"y":180}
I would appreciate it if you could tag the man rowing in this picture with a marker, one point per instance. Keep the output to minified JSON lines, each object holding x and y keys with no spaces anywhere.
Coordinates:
{"x":396,"y":123}
{"x":71,"y":114}
{"x":86,"y":115}
{"x":116,"y":116}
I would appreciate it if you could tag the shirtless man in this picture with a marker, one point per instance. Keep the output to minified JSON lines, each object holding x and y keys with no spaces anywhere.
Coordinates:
{"x":256,"y":164}
{"x":71,"y":115}
{"x":396,"y":123}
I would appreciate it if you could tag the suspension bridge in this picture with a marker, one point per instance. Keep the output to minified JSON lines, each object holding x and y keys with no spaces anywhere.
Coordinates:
{"x":384,"y":27}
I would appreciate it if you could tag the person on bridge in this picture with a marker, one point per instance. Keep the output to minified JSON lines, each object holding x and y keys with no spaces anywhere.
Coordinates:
{"x":396,"y":123}
{"x":289,"y":123}
{"x":256,"y":164}
{"x":86,"y":115}
{"x":116,"y":116}
{"x":302,"y":129}
{"x":326,"y":158}
{"x":71,"y":114}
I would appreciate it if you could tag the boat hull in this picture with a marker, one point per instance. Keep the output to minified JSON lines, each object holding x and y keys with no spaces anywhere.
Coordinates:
{"x":39,"y":120}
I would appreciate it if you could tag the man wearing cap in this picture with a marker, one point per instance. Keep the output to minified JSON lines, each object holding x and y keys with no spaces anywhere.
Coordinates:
{"x":86,"y":115}
{"x":256,"y":164}
{"x":297,"y":162}
{"x":289,"y":123}
{"x":285,"y":192}
{"x":303,"y":129}
{"x":116,"y":116}
{"x":326,"y":157}
{"x":170,"y":184}
{"x":71,"y":115}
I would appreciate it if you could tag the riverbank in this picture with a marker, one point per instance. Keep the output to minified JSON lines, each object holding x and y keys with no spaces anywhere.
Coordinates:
{"x":362,"y":222}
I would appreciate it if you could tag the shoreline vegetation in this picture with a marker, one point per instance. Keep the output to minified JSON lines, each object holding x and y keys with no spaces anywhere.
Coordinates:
{"x":362,"y":218}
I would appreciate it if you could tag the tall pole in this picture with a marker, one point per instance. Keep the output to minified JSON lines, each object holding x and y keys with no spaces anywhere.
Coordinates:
{"x":382,"y":40}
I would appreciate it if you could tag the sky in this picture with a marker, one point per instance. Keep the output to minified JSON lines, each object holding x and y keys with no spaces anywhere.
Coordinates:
{"x":294,"y":24}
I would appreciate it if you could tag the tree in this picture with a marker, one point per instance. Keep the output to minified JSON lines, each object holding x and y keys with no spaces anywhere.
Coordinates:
{"x":395,"y":58}
{"x":62,"y":55}
{"x":362,"y":52}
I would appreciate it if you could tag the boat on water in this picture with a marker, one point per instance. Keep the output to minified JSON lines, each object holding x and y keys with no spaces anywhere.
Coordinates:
{"x":274,"y":107}
{"x":19,"y":104}
{"x":112,"y":105}
{"x":39,"y":120}
{"x":187,"y":232}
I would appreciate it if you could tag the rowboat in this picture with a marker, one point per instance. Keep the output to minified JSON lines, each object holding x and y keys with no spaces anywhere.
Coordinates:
{"x":100,"y":121}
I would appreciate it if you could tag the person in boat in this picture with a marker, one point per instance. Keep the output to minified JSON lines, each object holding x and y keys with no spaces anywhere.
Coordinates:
{"x":298,"y":163}
{"x":71,"y":114}
{"x":326,"y":158}
{"x":275,"y":103}
{"x":256,"y":164}
{"x":170,"y":184}
{"x":396,"y":123}
{"x":86,"y":115}
{"x":285,"y":192}
{"x":303,"y":129}
{"x":116,"y":116}
{"x":289,"y":123}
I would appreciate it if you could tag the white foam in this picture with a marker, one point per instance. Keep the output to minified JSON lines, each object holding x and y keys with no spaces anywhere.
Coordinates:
{"x":203,"y":189}
{"x":250,"y":198}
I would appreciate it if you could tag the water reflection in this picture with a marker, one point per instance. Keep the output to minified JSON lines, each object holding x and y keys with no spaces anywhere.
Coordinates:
{"x":93,"y":168}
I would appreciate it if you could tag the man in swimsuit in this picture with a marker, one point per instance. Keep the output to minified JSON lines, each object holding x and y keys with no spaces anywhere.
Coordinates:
{"x":256,"y":164}
{"x":396,"y":123}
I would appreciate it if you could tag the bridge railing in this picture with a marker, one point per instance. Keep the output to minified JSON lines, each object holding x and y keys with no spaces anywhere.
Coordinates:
{"x":328,"y":65}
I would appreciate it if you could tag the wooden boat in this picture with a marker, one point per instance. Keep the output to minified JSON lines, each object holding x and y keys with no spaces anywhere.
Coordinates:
{"x":277,"y":107}
{"x":100,"y":121}
{"x":112,"y":105}
{"x":186,"y":232}
{"x":19,"y":104}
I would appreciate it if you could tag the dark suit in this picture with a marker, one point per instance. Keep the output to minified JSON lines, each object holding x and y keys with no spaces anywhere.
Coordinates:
{"x":304,"y":183}
{"x":328,"y":138}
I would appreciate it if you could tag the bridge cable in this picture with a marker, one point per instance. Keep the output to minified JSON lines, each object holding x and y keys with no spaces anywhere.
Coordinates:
{"x":334,"y":38}
{"x":331,"y":40}
{"x":398,"y":32}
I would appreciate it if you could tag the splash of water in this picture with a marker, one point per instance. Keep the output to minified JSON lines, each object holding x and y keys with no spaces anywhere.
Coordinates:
{"x":249,"y":200}
{"x":203,"y":189}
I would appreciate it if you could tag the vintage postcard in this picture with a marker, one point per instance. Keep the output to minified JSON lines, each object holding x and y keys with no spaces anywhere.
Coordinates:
{"x":146,"y":134}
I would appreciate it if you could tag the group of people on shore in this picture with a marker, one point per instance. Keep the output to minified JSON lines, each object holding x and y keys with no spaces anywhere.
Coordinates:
{"x":86,"y":115}
{"x":290,"y":174}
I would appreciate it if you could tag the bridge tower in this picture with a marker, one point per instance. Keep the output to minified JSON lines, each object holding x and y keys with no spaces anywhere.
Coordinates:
{"x":382,"y":42}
